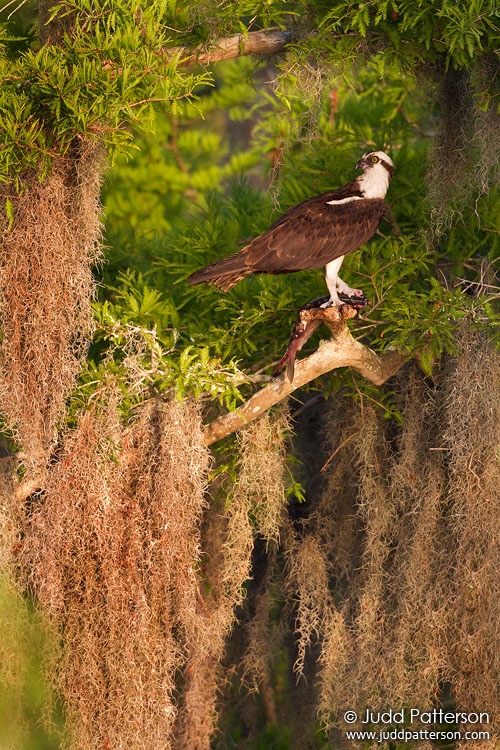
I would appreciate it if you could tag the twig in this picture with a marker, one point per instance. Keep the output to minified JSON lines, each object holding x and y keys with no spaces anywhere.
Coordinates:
{"x":18,"y":7}
{"x":344,"y":442}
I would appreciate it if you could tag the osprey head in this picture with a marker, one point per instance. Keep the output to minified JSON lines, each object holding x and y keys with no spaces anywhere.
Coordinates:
{"x":376,"y":159}
{"x":378,"y":169}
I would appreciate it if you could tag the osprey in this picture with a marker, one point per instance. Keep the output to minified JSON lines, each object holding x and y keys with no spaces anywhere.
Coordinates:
{"x":319,"y":232}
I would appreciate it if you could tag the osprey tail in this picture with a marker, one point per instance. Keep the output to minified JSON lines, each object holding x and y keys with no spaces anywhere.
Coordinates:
{"x":224,"y":273}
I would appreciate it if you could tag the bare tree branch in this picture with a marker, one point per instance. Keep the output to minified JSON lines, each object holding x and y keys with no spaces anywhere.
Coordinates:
{"x":263,"y":42}
{"x":342,"y":351}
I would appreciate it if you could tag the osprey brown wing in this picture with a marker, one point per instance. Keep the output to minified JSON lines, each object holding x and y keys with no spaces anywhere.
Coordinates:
{"x":313,"y":235}
{"x":310,"y":235}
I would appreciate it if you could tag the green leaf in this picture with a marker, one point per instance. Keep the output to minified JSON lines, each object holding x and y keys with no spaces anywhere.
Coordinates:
{"x":9,"y":212}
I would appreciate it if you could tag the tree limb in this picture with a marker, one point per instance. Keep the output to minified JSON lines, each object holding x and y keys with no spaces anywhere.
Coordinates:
{"x":263,"y":42}
{"x":342,"y":351}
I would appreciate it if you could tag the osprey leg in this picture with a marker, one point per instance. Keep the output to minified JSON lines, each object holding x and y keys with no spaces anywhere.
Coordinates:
{"x":331,"y":278}
{"x":335,"y":284}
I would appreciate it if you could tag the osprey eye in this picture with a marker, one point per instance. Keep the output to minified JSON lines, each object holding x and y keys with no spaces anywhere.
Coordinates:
{"x":374,"y":159}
